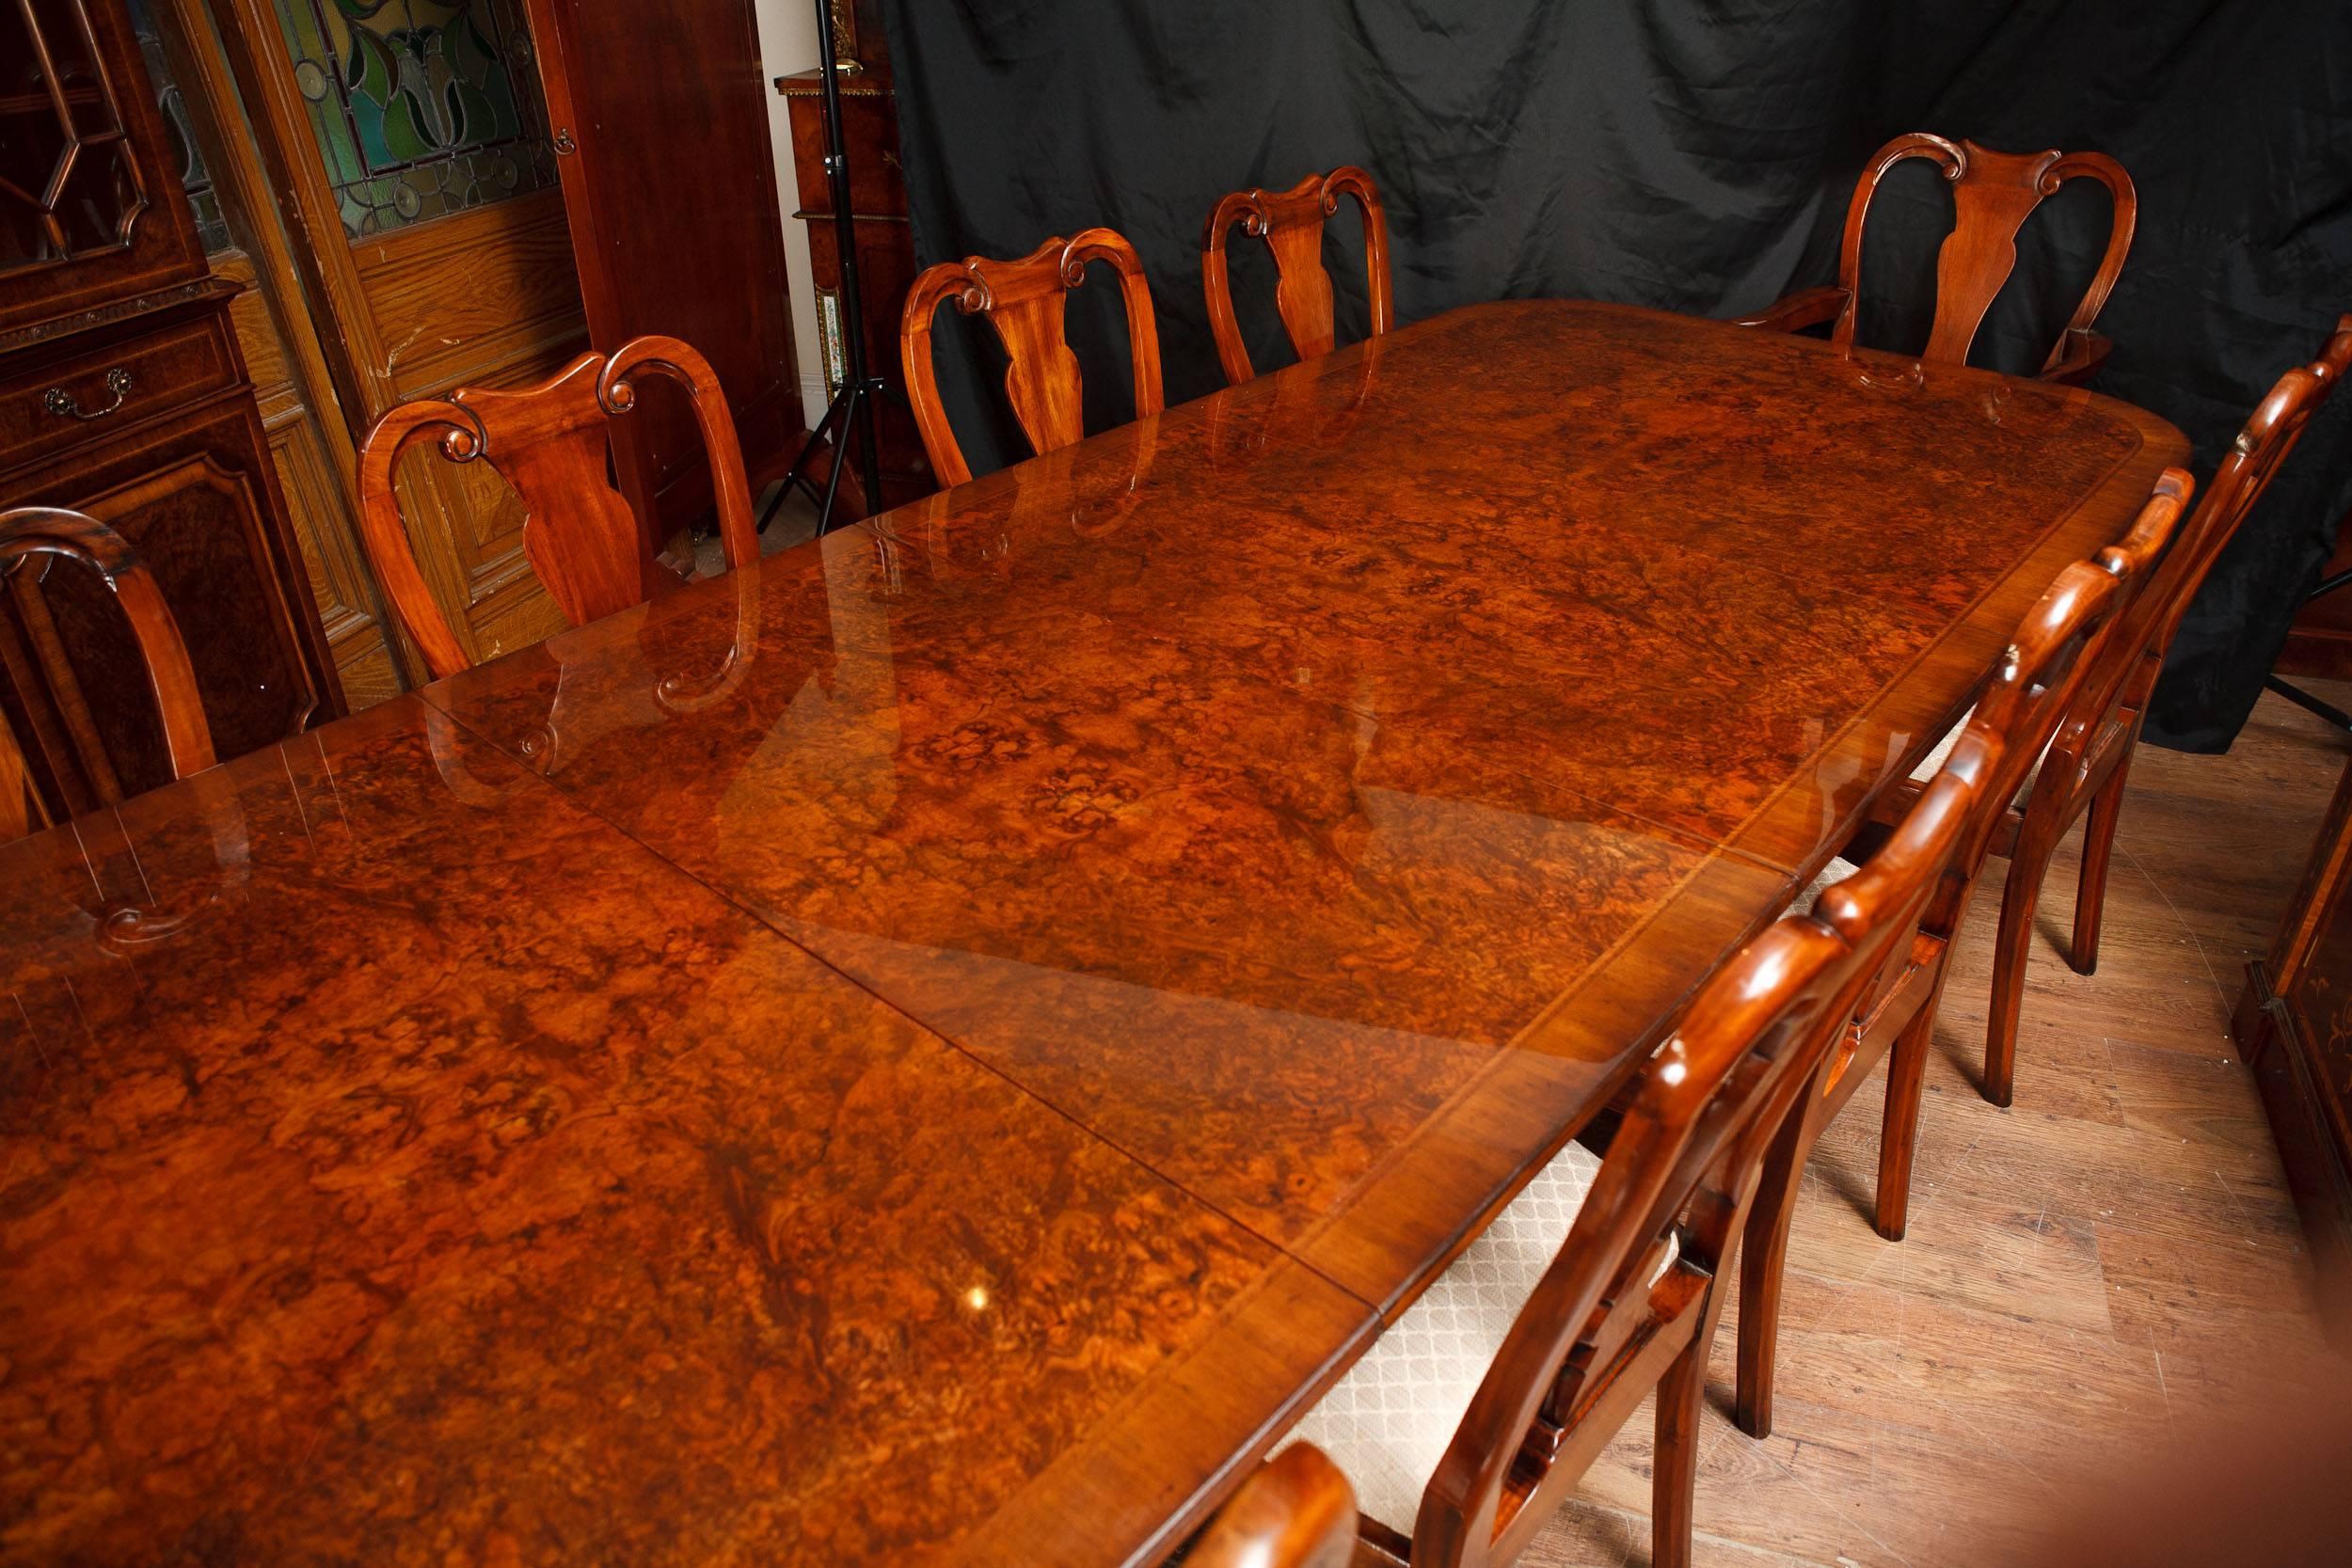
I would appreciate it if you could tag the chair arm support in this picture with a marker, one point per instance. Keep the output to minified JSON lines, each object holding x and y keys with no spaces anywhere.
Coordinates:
{"x":2077,"y":357}
{"x":1803,"y":308}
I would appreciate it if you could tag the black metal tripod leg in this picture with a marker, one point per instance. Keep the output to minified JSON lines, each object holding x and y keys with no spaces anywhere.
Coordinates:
{"x":2301,"y":698}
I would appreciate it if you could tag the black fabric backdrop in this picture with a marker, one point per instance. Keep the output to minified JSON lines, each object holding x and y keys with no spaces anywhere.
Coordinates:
{"x":1695,"y":157}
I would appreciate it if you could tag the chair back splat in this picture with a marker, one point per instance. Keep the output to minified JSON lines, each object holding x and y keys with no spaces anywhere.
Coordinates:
{"x":1023,"y":301}
{"x":1993,"y":194}
{"x":550,"y":443}
{"x":49,"y":532}
{"x":1291,"y":223}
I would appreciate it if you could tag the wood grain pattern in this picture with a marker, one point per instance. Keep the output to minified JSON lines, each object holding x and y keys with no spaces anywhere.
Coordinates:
{"x":560,"y":1210}
{"x":1202,"y":818}
{"x":1336,"y":869}
{"x":1291,"y":223}
{"x":1023,"y":301}
{"x":1993,"y":194}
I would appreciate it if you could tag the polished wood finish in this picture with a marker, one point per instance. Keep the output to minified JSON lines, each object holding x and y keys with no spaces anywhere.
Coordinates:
{"x":1298,"y":1512}
{"x":1291,"y":223}
{"x":2084,"y":774}
{"x":124,"y":396}
{"x":2294,"y":1027}
{"x":2056,"y":647}
{"x":1332,"y":861}
{"x":43,"y":533}
{"x":1993,"y":194}
{"x":1023,"y":301}
{"x":1628,"y":1308}
{"x":572,"y":1212}
{"x":550,"y":442}
{"x":653,"y":108}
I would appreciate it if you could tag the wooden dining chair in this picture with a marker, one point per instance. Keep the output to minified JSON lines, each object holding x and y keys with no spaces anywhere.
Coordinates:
{"x":1291,"y":223}
{"x":1297,"y":1512}
{"x":1993,"y":194}
{"x":1023,"y":300}
{"x":550,"y":442}
{"x":47,"y":533}
{"x":2038,"y":673}
{"x":1474,"y":1414}
{"x":2088,"y":767}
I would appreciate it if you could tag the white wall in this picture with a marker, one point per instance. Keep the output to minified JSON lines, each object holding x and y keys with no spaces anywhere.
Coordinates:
{"x":789,"y":43}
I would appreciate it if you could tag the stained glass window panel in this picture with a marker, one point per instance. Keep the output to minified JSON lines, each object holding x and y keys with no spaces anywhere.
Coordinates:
{"x":421,"y":107}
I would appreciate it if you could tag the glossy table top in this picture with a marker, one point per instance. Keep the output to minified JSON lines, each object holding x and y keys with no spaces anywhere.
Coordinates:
{"x":956,"y":1030}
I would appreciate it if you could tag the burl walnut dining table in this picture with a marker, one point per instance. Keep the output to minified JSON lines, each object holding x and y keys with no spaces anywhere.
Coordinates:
{"x":938,"y":1048}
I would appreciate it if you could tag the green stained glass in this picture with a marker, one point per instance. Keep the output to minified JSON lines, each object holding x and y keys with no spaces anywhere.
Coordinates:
{"x":421,"y":107}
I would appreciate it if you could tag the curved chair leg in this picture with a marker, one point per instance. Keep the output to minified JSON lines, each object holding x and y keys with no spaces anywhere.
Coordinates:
{"x":1674,"y":1469}
{"x":2028,"y":864}
{"x":2090,"y":893}
{"x":1763,"y":1259}
{"x":1898,"y":1134}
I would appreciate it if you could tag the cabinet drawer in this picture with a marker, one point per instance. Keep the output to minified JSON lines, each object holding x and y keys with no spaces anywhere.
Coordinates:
{"x":53,"y":402}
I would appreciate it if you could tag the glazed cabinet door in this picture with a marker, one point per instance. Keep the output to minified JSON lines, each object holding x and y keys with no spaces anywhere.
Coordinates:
{"x":89,"y":209}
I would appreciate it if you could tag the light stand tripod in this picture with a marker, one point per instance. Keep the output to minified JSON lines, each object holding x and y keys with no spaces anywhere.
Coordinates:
{"x":853,"y":405}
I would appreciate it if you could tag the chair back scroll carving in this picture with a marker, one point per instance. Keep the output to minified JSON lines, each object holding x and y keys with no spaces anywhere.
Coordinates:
{"x":1684,"y":1163}
{"x":31,"y":531}
{"x":1297,"y":1512}
{"x":1291,"y":223}
{"x":1993,"y":194}
{"x":1023,"y":301}
{"x":550,"y":442}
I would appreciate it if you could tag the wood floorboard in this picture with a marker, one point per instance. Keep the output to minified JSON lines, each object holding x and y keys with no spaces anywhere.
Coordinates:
{"x":2110,"y":1266}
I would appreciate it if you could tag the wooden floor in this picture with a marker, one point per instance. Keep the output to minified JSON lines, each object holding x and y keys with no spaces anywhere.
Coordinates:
{"x":2109,"y":1265}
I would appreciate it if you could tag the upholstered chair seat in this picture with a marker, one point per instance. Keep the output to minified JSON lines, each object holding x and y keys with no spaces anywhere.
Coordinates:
{"x":1386,"y":1423}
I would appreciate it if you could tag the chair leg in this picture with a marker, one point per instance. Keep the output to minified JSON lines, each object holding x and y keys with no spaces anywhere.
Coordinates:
{"x":2010,"y":949}
{"x":1763,"y":1260}
{"x":2090,"y":893}
{"x":1898,"y":1134}
{"x":1674,"y":1469}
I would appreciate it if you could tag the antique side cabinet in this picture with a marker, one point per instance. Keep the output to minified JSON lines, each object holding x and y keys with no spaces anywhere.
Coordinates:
{"x":124,"y":394}
{"x":2294,"y":1028}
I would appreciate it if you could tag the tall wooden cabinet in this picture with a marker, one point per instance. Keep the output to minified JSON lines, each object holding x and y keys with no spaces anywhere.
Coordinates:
{"x":2293,"y":1029}
{"x":124,"y":394}
{"x":670,"y":190}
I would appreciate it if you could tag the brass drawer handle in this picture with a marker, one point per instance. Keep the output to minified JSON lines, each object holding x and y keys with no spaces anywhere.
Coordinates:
{"x":564,"y":146}
{"x":58,"y":401}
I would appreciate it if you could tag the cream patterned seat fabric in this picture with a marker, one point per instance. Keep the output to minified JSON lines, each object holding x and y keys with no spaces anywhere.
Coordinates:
{"x":1386,"y":1423}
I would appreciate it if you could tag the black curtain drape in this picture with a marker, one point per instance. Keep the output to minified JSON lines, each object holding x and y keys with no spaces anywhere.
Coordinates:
{"x":1694,"y":155}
